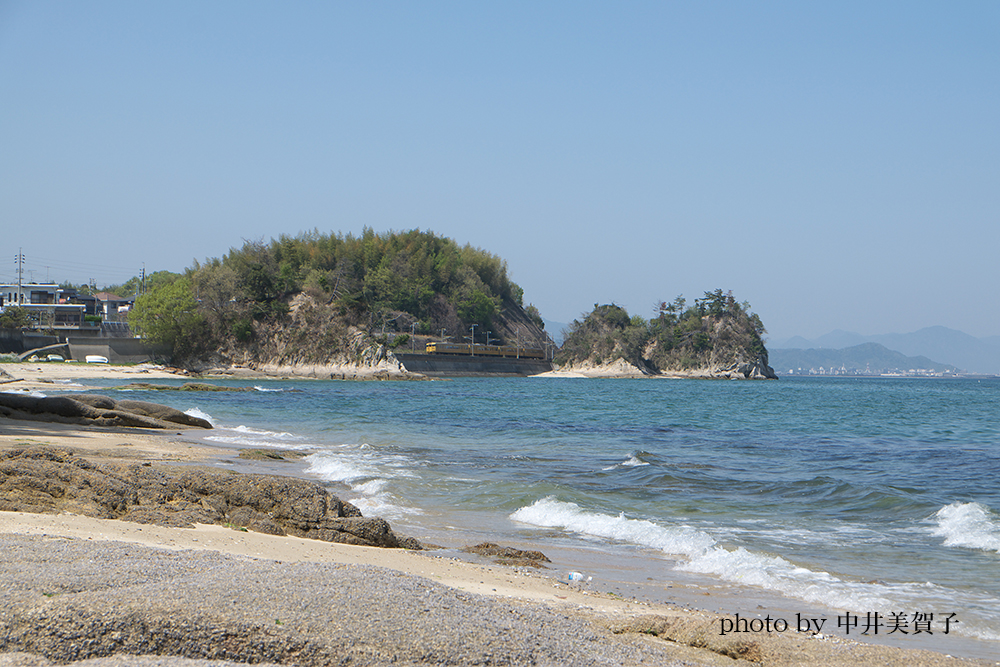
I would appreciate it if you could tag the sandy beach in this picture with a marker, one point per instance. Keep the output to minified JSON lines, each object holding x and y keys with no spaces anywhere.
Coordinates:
{"x":87,"y":589}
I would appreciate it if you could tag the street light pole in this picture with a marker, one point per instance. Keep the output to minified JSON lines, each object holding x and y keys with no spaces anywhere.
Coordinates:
{"x":413,"y":334}
{"x":473,"y":339}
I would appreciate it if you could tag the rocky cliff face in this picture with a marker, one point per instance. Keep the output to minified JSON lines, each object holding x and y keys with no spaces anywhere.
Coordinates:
{"x":319,"y":340}
{"x":721,"y":347}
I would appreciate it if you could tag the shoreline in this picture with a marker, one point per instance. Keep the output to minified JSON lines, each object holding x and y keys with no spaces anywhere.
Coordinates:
{"x":495,"y":582}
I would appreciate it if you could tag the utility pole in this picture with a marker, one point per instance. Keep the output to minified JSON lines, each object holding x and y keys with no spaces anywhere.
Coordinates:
{"x":488,"y":337}
{"x":473,"y":338}
{"x":413,"y":333}
{"x":19,"y":260}
{"x":517,"y":334}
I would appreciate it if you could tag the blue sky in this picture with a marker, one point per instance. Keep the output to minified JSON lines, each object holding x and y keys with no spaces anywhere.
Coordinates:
{"x":835,"y":164}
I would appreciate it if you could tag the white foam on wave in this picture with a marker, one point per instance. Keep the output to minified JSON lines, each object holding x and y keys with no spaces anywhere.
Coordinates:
{"x":201,"y":414}
{"x":253,"y":437}
{"x":33,"y":393}
{"x":551,"y":513}
{"x":699,"y":552}
{"x":368,"y":473}
{"x":968,"y":525}
{"x":259,"y":388}
{"x":630,"y":462}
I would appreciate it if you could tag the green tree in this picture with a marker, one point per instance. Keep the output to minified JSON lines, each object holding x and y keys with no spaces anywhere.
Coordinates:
{"x":14,"y":317}
{"x":167,"y":314}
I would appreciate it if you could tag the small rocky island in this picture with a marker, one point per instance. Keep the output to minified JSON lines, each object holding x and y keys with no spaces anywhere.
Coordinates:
{"x":717,"y":337}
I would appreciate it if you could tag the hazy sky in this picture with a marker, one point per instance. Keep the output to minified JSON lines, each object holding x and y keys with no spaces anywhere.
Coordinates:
{"x":836,"y":164}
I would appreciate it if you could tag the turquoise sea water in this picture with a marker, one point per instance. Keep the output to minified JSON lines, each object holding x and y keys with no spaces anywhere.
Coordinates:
{"x":838,"y":495}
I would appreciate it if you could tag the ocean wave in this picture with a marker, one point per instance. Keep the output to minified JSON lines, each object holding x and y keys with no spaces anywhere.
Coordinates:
{"x":383,"y":504}
{"x":368,"y":473}
{"x":33,"y":393}
{"x":252,"y":437}
{"x":632,"y":461}
{"x":700,"y":553}
{"x":552,"y":513}
{"x":968,"y":525}
{"x":200,"y":414}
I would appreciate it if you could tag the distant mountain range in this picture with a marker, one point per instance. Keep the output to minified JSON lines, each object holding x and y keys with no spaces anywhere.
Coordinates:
{"x":945,"y":346}
{"x":864,"y":359}
{"x":555,"y":329}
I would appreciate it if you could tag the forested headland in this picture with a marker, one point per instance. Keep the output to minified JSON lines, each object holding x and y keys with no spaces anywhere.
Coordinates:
{"x":331,"y":298}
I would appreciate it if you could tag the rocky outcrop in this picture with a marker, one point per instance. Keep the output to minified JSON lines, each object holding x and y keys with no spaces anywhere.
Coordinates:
{"x":187,"y":386}
{"x":717,"y":338}
{"x":755,"y":369}
{"x":509,"y":555}
{"x":49,"y":480}
{"x":95,"y":410}
{"x":617,"y":368}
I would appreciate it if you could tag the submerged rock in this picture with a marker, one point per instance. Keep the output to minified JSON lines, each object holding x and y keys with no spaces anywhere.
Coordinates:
{"x":187,"y":386}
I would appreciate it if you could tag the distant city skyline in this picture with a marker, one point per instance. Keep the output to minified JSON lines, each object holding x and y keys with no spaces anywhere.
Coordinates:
{"x":834,"y":165}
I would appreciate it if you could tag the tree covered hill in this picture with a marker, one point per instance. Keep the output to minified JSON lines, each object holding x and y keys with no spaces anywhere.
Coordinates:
{"x":316,"y":298}
{"x":717,"y":336}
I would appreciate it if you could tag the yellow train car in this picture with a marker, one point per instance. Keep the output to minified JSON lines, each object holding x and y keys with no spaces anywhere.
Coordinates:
{"x":510,"y":351}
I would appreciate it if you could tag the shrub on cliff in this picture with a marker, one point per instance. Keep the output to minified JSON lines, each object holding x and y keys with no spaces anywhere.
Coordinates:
{"x":606,"y":334}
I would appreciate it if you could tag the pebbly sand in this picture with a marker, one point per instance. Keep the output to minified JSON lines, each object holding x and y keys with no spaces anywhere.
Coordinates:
{"x":100,"y":592}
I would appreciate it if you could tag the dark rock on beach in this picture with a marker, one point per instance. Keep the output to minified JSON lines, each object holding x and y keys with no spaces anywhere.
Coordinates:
{"x":271,"y":454}
{"x":50,"y":480}
{"x":509,"y":555}
{"x":96,"y":410}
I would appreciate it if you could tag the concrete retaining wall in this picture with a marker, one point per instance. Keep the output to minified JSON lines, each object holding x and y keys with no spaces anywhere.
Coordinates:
{"x":16,"y":341}
{"x":117,"y":350}
{"x":462,"y":366}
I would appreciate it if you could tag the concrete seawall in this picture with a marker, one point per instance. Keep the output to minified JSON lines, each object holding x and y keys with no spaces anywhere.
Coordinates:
{"x":465,"y":366}
{"x":117,"y":350}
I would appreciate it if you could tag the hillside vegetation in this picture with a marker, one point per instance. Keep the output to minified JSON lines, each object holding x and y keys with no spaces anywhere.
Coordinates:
{"x":717,"y":336}
{"x":318,"y":298}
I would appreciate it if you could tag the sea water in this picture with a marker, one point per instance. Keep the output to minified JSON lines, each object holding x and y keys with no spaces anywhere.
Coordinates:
{"x":830,"y":497}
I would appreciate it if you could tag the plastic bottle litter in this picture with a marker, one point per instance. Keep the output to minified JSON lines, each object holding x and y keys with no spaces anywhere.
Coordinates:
{"x":575,"y":576}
